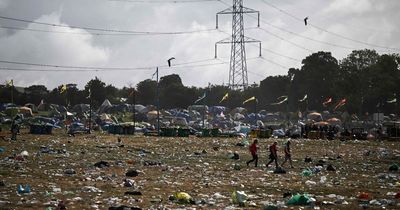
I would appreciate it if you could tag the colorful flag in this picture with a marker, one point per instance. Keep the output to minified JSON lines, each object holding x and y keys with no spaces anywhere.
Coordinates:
{"x":9,"y":83}
{"x":340,"y":104}
{"x":281,"y":97}
{"x":328,"y":101}
{"x":304,"y":98}
{"x":63,"y":88}
{"x":200,"y":98}
{"x":132,"y":92}
{"x":392,"y":101}
{"x":224,"y":98}
{"x":284,"y":99}
{"x":250,"y":99}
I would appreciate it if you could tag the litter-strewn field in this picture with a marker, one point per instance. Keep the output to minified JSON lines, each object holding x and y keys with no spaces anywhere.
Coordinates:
{"x":90,"y":172}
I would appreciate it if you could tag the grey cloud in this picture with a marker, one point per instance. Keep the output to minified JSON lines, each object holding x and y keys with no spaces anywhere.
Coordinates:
{"x":372,"y":21}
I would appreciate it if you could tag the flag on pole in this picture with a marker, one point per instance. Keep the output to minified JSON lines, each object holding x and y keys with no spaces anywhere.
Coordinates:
{"x":63,"y":88}
{"x":224,"y":98}
{"x":90,"y":94}
{"x":9,"y":83}
{"x":283,"y":100}
{"x":328,"y":101}
{"x":340,"y":104}
{"x":250,"y":99}
{"x":304,"y":98}
{"x":392,"y":101}
{"x":200,"y":98}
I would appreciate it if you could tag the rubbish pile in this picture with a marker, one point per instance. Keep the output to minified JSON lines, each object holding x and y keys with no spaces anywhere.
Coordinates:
{"x":103,"y":171}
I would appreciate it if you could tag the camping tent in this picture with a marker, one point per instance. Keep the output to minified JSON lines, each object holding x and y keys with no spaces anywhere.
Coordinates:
{"x":104,"y":106}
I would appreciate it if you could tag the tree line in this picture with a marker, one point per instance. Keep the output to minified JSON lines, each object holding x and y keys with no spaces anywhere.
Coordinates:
{"x":366,"y":80}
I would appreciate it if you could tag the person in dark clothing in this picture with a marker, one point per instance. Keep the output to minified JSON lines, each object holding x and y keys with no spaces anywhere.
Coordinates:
{"x":288,"y":154}
{"x":253,"y":151}
{"x":273,"y":156}
{"x":14,"y":130}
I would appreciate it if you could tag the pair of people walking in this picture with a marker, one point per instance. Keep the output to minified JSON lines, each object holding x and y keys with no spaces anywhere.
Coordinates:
{"x":273,"y":156}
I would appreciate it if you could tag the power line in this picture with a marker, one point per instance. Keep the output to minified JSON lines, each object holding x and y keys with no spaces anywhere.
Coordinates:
{"x":164,"y":1}
{"x":108,"y":34}
{"x":104,"y":30}
{"x":67,"y":67}
{"x":327,"y":31}
{"x":282,"y":55}
{"x":285,"y":40}
{"x":302,"y":36}
{"x":106,"y":70}
{"x":277,"y":64}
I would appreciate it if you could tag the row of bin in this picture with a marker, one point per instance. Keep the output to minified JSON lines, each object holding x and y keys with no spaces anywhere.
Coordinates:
{"x":262,"y":134}
{"x":173,"y":132}
{"x":121,"y":130}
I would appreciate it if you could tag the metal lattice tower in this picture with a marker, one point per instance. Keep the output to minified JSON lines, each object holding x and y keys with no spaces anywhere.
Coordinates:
{"x":238,"y":66}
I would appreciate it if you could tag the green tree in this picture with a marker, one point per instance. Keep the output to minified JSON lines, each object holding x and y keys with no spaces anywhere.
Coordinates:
{"x":271,"y":88}
{"x":356,"y":79}
{"x":35,"y":93}
{"x":317,"y":78}
{"x":146,"y":92}
{"x":98,"y":91}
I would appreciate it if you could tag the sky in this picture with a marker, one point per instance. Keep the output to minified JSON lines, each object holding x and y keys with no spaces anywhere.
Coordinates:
{"x":123,"y":59}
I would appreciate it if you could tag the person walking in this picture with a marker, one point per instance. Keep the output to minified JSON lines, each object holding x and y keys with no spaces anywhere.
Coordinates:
{"x":253,"y":151}
{"x":273,"y":156}
{"x":288,"y":154}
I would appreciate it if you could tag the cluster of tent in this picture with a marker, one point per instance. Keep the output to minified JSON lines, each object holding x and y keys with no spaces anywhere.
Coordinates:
{"x":197,"y":117}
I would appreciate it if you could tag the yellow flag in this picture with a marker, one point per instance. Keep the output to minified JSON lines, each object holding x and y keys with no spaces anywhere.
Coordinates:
{"x":224,"y":98}
{"x":250,"y":99}
{"x":63,"y":88}
{"x":9,"y":83}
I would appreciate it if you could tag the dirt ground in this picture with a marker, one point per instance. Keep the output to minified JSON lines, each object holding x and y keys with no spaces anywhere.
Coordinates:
{"x":59,"y":167}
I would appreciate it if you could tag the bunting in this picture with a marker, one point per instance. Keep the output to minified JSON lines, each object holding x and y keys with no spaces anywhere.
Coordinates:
{"x":283,"y":100}
{"x":250,"y":99}
{"x":304,"y":98}
{"x":340,"y":104}
{"x":9,"y":83}
{"x":224,"y":98}
{"x":328,"y":101}
{"x":63,"y":88}
{"x":201,"y":98}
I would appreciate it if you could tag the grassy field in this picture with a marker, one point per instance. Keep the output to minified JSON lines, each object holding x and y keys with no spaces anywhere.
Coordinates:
{"x":200,"y":167}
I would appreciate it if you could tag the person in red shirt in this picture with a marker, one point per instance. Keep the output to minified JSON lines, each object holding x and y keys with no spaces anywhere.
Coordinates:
{"x":288,"y":154}
{"x":273,"y":156}
{"x":253,"y":151}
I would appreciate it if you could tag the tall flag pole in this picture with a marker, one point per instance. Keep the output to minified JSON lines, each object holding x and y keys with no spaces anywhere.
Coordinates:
{"x":224,"y":98}
{"x":158,"y":106}
{"x":64,"y":90}
{"x":255,"y":106}
{"x":90,"y":110}
{"x":133,"y":94}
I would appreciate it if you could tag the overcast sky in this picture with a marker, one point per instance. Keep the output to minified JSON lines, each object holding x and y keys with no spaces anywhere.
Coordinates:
{"x":286,"y":41}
